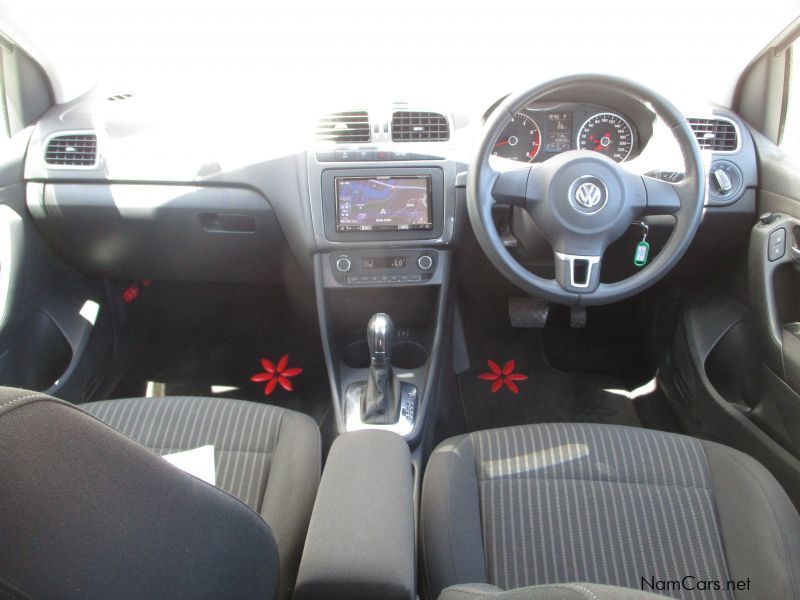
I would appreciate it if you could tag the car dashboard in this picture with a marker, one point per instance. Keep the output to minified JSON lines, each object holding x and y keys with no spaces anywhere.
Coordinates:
{"x":122,"y":197}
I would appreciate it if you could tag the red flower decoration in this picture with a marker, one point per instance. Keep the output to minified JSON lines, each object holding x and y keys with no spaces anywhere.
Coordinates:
{"x":275,"y":375}
{"x":505,"y":376}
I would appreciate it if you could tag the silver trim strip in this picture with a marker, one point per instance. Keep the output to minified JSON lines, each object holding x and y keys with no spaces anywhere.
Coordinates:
{"x":571,"y":258}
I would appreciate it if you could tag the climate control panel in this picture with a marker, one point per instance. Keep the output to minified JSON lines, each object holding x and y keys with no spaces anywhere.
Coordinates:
{"x":382,"y":267}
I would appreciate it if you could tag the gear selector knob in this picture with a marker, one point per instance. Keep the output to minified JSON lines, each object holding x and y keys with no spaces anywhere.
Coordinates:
{"x":380,"y":331}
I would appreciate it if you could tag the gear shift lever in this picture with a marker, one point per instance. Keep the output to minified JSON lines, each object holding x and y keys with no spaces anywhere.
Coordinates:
{"x":379,"y":403}
{"x":380,"y":331}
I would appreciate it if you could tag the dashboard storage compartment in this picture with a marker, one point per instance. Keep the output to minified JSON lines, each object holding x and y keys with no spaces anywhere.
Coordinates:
{"x":361,"y":539}
{"x":163,"y":232}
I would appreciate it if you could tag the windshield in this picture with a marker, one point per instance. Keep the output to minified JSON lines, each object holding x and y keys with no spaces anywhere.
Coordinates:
{"x":471,"y":51}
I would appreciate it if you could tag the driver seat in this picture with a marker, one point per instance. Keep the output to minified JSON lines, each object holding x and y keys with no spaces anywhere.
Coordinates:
{"x":602,"y":504}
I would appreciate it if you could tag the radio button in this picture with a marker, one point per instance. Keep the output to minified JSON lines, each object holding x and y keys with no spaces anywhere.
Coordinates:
{"x":363,"y":155}
{"x":345,"y":155}
{"x":343,"y":264}
{"x":424,"y":262}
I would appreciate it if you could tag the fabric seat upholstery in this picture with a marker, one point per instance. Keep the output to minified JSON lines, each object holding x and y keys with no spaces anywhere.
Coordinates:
{"x":87,"y":513}
{"x":266,"y":456}
{"x":559,"y":503}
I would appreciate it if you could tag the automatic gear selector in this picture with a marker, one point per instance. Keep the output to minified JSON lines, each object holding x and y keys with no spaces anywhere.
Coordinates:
{"x":384,"y":399}
{"x":379,"y":402}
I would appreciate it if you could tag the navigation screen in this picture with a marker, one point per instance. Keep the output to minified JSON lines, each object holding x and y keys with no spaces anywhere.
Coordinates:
{"x":383,"y":203}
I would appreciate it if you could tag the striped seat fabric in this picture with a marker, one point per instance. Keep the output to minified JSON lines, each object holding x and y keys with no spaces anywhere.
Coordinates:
{"x":612,"y":497}
{"x":244,"y":434}
{"x":268,"y":457}
{"x":620,"y":506}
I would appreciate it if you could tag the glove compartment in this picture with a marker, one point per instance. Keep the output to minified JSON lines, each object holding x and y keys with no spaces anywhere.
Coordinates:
{"x":168,"y":232}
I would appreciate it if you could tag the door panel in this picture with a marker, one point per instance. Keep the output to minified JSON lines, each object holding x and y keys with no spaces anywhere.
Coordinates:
{"x":774,"y":277}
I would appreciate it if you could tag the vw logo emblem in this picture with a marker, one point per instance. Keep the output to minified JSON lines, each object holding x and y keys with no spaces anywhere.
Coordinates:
{"x":588,"y":194}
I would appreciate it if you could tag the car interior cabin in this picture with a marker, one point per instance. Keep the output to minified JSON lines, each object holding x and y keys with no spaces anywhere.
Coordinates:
{"x":399,"y":302}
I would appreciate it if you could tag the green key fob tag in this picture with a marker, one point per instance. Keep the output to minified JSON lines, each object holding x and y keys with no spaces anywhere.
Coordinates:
{"x":642,"y":252}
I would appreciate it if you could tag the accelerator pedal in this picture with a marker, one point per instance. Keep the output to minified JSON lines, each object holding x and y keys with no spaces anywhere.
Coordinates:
{"x":528,"y":313}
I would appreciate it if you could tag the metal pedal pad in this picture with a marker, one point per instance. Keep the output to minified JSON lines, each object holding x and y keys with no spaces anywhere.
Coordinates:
{"x":529,"y":313}
{"x":577,"y":317}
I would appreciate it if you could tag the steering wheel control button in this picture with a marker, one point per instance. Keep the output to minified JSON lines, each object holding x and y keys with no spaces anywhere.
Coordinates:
{"x":588,"y":194}
{"x":343,"y":264}
{"x":425,"y":262}
{"x":777,"y":244}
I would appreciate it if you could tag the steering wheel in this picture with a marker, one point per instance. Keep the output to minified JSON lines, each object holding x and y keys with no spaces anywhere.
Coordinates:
{"x":582,"y":201}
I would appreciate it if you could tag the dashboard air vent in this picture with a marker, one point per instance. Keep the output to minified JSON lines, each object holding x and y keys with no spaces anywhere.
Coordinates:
{"x":411,"y":126}
{"x":351,"y":127}
{"x":717,"y":135}
{"x":120,"y":97}
{"x":72,"y":150}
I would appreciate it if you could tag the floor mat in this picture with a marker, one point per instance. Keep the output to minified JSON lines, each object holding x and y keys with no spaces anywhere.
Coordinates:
{"x":221,"y":361}
{"x":527,"y":389}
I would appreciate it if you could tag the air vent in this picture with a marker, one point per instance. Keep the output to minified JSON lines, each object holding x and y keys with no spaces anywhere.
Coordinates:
{"x":410,"y":126}
{"x":72,"y":150}
{"x":717,"y":135}
{"x":350,"y":127}
{"x":120,"y":97}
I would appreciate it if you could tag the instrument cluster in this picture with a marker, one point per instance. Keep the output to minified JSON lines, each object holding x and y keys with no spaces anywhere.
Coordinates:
{"x":540,"y":131}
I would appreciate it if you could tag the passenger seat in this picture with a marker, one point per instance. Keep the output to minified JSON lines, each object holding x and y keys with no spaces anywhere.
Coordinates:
{"x":267,"y":457}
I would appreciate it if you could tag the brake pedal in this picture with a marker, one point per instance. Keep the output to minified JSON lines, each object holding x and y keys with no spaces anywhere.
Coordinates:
{"x":528,"y":313}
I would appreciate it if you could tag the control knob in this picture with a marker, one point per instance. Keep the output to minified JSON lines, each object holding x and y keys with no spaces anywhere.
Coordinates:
{"x":424,"y":262}
{"x":343,"y":264}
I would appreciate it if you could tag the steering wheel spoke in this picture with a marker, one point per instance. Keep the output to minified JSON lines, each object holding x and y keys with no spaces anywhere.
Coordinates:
{"x":576,"y":273}
{"x":663,"y":197}
{"x":510,"y":187}
{"x":517,"y":187}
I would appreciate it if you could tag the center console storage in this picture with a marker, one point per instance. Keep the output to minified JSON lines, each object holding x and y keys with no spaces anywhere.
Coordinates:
{"x":394,"y":393}
{"x":361,"y":538}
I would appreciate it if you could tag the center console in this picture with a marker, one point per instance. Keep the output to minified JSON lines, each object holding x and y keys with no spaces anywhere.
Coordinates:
{"x":361,"y":538}
{"x":383,"y":230}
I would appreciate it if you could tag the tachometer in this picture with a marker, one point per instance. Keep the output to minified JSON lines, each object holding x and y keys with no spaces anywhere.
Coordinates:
{"x":607,"y":134}
{"x":520,"y":140}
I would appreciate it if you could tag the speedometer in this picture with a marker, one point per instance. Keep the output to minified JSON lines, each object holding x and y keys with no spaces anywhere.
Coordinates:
{"x":607,"y":133}
{"x":520,"y":140}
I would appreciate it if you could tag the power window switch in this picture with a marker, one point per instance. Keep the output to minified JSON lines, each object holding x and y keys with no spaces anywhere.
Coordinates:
{"x":777,"y":245}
